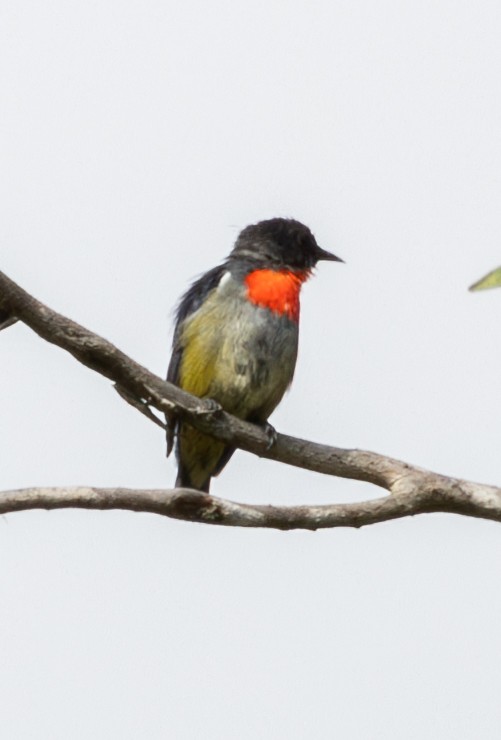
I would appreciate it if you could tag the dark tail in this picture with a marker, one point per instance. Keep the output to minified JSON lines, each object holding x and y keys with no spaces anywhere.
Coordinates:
{"x":183,"y":480}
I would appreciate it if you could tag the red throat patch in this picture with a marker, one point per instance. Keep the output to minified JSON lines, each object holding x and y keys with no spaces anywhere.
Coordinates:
{"x":277,"y":290}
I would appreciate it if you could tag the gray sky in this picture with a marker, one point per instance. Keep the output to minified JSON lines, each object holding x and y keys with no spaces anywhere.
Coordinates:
{"x":136,"y":140}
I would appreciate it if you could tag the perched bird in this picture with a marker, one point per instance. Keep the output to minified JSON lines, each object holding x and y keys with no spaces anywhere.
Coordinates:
{"x":236,"y":337}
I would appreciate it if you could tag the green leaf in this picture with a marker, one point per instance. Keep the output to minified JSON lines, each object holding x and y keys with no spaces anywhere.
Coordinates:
{"x":491,"y":280}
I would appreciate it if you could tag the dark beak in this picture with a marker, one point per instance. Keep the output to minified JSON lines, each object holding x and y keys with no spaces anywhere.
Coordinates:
{"x":322,"y":254}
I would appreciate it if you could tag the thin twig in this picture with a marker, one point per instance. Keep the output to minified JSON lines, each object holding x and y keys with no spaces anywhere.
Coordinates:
{"x":138,"y":404}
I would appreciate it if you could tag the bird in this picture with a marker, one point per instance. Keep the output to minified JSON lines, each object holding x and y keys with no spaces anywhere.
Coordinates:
{"x":236,"y":338}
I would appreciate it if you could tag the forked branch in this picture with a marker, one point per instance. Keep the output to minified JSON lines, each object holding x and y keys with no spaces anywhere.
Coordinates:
{"x":414,"y":490}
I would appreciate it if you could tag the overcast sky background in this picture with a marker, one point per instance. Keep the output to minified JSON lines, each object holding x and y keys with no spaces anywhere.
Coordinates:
{"x":136,"y":140}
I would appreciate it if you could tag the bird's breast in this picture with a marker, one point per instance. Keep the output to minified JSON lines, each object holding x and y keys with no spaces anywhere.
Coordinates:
{"x":276,"y":290}
{"x":239,"y":352}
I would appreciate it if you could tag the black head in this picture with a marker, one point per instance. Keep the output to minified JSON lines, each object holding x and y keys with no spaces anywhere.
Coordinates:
{"x":280,"y":243}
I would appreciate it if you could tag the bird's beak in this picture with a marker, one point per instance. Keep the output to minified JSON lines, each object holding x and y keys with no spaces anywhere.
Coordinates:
{"x":322,"y":254}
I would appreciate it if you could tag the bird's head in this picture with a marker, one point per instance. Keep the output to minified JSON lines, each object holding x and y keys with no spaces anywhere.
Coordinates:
{"x":278,"y":244}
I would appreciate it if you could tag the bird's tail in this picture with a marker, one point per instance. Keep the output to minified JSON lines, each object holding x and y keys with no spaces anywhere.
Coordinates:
{"x":184,"y":480}
{"x":200,"y":458}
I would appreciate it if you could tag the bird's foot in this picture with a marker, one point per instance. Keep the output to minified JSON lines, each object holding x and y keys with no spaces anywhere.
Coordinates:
{"x":210,"y":408}
{"x":271,"y":434}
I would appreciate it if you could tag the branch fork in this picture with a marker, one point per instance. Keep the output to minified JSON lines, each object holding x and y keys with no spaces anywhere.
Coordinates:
{"x":413,"y":490}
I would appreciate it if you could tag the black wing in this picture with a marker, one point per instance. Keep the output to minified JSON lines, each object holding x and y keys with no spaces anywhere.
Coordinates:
{"x":189,"y":303}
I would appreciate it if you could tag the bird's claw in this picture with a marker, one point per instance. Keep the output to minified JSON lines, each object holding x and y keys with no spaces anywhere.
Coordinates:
{"x":210,"y":408}
{"x":271,"y":435}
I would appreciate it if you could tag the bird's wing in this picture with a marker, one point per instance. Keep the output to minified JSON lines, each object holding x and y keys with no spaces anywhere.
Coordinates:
{"x":190,"y":302}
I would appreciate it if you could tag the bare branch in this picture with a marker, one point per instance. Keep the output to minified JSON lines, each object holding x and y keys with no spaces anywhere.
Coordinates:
{"x":194,"y":506}
{"x":414,"y":490}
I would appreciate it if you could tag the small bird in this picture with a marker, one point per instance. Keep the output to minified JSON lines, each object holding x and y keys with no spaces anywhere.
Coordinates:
{"x":236,"y":337}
